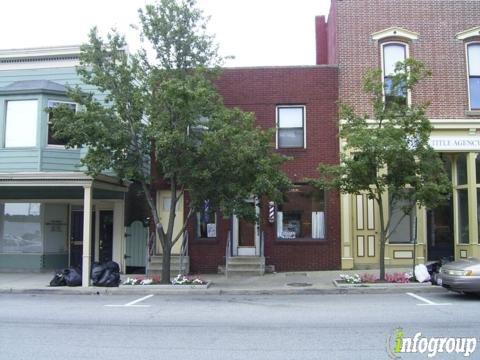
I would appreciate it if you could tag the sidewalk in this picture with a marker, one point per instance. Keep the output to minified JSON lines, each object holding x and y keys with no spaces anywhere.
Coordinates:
{"x":310,"y":282}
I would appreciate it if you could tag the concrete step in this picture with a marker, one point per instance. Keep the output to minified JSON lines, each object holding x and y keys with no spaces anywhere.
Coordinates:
{"x":269,"y":269}
{"x":255,"y":267}
{"x":244,"y":273}
{"x":156,"y":265}
{"x":245,"y":266}
{"x":246,"y":260}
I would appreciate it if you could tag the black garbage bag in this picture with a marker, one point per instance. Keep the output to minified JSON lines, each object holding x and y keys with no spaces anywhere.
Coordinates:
{"x":73,"y":276}
{"x":58,"y":279}
{"x":110,"y":276}
{"x":98,"y":269}
{"x":434,"y":267}
{"x":112,"y":265}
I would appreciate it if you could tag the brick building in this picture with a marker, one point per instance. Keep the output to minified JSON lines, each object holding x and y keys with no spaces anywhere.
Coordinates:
{"x":445,"y":35}
{"x":305,"y":234}
{"x":271,"y":93}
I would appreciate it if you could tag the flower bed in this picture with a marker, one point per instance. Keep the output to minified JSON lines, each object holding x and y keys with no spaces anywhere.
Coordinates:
{"x":364,"y":279}
{"x":188,"y":280}
{"x":141,"y":280}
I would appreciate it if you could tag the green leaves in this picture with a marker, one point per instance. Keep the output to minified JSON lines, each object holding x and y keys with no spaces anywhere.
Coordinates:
{"x":389,"y":151}
{"x":167,"y":106}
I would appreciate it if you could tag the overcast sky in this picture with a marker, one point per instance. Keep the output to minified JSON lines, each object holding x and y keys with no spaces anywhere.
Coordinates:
{"x":256,"y":32}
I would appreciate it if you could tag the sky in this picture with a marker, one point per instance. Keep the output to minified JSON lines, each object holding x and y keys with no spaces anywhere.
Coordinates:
{"x":255,"y":32}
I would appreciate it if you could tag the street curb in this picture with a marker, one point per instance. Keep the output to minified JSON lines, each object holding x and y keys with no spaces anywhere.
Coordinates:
{"x":220,"y":291}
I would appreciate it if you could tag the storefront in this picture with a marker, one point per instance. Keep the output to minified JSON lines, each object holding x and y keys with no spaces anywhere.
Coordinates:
{"x":449,"y":231}
{"x":51,"y":220}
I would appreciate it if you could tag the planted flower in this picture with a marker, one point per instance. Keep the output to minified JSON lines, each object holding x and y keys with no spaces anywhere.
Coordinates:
{"x":187,"y":280}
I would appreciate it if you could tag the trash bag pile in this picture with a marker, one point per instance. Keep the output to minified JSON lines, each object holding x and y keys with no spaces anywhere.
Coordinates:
{"x":102,"y":274}
{"x":105,"y":274}
{"x":67,"y":277}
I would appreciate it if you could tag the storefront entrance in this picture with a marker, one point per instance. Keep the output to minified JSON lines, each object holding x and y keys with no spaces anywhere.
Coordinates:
{"x":440,"y":239}
{"x":246,"y":234}
{"x":105,"y":237}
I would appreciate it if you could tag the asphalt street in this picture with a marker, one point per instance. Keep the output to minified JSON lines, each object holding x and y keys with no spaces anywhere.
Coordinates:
{"x":212,"y":327}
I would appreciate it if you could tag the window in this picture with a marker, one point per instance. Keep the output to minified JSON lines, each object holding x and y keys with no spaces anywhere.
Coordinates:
{"x":462,"y":169}
{"x":463,"y":237}
{"x":20,"y":228}
{"x":392,"y":54}
{"x":291,"y":126}
{"x":473,"y":57}
{"x":206,"y":222}
{"x":302,"y":215}
{"x":21,"y":123}
{"x":52,"y":139}
{"x":403,"y":225}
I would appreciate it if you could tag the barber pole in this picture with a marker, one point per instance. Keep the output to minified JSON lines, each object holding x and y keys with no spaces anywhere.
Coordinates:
{"x":271,"y":212}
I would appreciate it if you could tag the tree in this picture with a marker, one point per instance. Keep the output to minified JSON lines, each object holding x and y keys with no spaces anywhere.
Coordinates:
{"x":168,"y":109}
{"x":387,"y":156}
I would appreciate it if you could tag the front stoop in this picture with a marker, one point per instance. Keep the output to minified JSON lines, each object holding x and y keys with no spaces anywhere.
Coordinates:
{"x":156,"y":261}
{"x":245,"y":266}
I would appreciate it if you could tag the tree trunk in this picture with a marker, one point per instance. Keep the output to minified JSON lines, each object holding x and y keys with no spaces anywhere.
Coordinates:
{"x":382,"y":237}
{"x":166,"y":256}
{"x":382,"y":255}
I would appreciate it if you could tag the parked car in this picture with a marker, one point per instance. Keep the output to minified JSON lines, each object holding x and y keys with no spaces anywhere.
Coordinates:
{"x":462,"y":275}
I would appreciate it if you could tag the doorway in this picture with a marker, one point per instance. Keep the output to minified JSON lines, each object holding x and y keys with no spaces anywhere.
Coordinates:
{"x":246,"y":234}
{"x":440,"y":240}
{"x":105,"y":244}
{"x":76,"y":238}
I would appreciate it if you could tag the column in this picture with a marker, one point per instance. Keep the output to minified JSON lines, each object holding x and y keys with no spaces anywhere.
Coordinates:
{"x":472,"y":199}
{"x":87,"y":234}
{"x":346,"y":231}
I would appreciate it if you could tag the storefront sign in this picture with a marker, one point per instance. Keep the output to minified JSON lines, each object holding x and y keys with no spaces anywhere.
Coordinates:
{"x":455,"y":143}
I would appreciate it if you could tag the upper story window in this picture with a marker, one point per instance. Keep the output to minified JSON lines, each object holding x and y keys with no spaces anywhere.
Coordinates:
{"x":21,"y":123}
{"x":291,"y":126}
{"x":393,"y":53}
{"x":473,"y":60}
{"x":52,"y":139}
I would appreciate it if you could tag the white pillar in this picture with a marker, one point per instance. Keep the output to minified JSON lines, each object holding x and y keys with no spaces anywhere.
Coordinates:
{"x":87,"y":234}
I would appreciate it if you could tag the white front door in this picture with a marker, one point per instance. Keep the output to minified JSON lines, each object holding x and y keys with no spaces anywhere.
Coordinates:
{"x":246,"y":235}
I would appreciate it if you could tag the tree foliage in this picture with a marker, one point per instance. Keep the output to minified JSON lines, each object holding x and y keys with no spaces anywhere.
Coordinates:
{"x":387,"y":155}
{"x":167,"y":106}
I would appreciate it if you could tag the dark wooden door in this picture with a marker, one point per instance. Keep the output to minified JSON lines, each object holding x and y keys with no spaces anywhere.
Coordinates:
{"x":76,"y":238}
{"x":440,"y":241}
{"x":106,"y":235}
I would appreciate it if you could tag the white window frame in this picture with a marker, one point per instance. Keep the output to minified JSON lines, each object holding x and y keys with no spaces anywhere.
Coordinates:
{"x":407,"y":55}
{"x":48,"y":120}
{"x":467,"y":44}
{"x":5,"y":123}
{"x":304,"y":109}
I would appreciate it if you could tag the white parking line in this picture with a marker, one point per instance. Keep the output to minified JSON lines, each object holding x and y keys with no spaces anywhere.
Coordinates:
{"x":426,"y":301}
{"x":133,"y":303}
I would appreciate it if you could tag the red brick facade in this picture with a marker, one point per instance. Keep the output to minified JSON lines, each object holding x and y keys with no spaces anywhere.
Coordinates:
{"x":351,"y":23}
{"x":260,"y":90}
